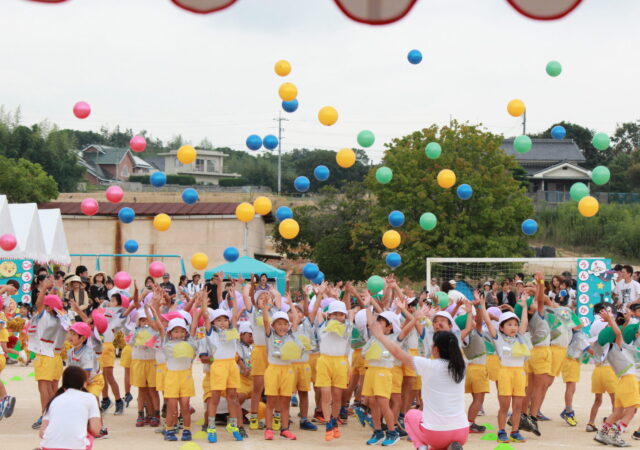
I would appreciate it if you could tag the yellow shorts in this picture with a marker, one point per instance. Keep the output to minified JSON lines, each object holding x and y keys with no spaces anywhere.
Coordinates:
{"x":206,"y":386}
{"x":417,"y":383}
{"x":125,"y":357}
{"x":259,"y":361}
{"x":410,"y":371}
{"x":603,"y":379}
{"x":313,"y":363}
{"x":95,"y":385}
{"x":47,"y":368}
{"x":332,"y":371}
{"x":627,"y":393}
{"x":179,"y":384}
{"x":302,"y":371}
{"x":143,"y":373}
{"x":539,"y":362}
{"x":161,"y":372}
{"x":571,"y":370}
{"x":225,"y":374}
{"x":246,"y":385}
{"x":378,"y":381}
{"x":512,"y":381}
{"x":108,"y":357}
{"x":357,"y":362}
{"x":493,"y":367}
{"x":558,"y":355}
{"x":3,"y":362}
{"x":279,"y":380}
{"x":398,"y":374}
{"x":477,"y":379}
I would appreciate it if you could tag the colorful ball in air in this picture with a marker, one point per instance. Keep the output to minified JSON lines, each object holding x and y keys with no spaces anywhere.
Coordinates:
{"x":391,"y":239}
{"x":157,"y":269}
{"x":291,"y":106}
{"x":601,"y":141}
{"x":284,"y":212}
{"x":230,"y":254}
{"x":558,"y":132}
{"x":554,"y":68}
{"x":190,"y":196}
{"x":199,"y":261}
{"x":131,"y":246}
{"x":600,"y":175}
{"x":270,"y":142}
{"x":578,"y":191}
{"x":288,"y":92}
{"x":433,"y":150}
{"x":138,"y":144}
{"x":529,"y":227}
{"x":414,"y":56}
{"x":464,"y":192}
{"x":158,"y":179}
{"x":346,"y":158}
{"x":393,"y":260}
{"x":366,"y":138}
{"x":282,"y":68}
{"x":8,"y":242}
{"x":245,"y":212}
{"x":396,"y":218}
{"x":114,"y":194}
{"x":126,"y":215}
{"x":319,"y":278}
{"x":89,"y":206}
{"x":81,"y":110}
{"x":262,"y":205}
{"x":301,"y":184}
{"x":428,"y":221}
{"x":375,"y":284}
{"x":122,"y":280}
{"x":516,"y":107}
{"x":162,"y":222}
{"x":588,"y":206}
{"x":384,"y":175}
{"x":446,"y":178}
{"x":522,"y":143}
{"x":289,"y":228}
{"x":254,"y":142}
{"x":187,"y":154}
{"x":310,"y":271}
{"x":328,"y":115}
{"x":443,"y":299}
{"x":321,"y":173}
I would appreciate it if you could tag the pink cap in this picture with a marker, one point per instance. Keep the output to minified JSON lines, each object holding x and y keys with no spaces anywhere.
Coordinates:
{"x":100,"y":322}
{"x":82,"y":329}
{"x":172,"y":315}
{"x":53,"y":302}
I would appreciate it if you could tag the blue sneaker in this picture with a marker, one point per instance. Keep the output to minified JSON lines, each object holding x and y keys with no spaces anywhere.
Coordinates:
{"x":307,"y":425}
{"x":503,"y":437}
{"x":541,"y":417}
{"x":569,"y":417}
{"x":344,"y":414}
{"x":3,"y":407}
{"x":360,"y":414}
{"x":294,"y":401}
{"x":212,"y":435}
{"x":515,"y":436}
{"x":376,"y":437}
{"x":391,"y":439}
{"x":170,"y":435}
{"x":235,"y":432}
{"x":186,"y":435}
{"x":37,"y":424}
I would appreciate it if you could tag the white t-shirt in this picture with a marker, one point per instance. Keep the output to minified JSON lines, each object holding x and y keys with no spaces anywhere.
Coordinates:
{"x":68,"y":417}
{"x":627,"y":292}
{"x":443,"y":398}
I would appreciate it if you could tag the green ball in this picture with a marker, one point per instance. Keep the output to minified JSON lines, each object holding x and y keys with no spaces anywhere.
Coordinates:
{"x":600,"y":175}
{"x":554,"y":68}
{"x":601,"y":141}
{"x":433,"y":150}
{"x":522,"y":144}
{"x":443,"y":299}
{"x":461,"y":321}
{"x":366,"y":138}
{"x":578,"y":190}
{"x":428,"y":221}
{"x":384,"y":175}
{"x":375,"y":284}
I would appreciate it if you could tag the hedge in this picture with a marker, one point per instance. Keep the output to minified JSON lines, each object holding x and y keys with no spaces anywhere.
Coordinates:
{"x":183,"y":180}
{"x":229,"y":182}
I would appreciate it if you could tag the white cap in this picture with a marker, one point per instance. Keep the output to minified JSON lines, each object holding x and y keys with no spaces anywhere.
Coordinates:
{"x":452,"y":281}
{"x":392,"y":318}
{"x":210,"y":312}
{"x":245,"y":327}
{"x":506,"y":316}
{"x":487,"y":283}
{"x":219,"y":313}
{"x":285,"y":307}
{"x":337,"y":306}
{"x":142,"y":314}
{"x":186,"y":316}
{"x":173,"y":323}
{"x":257,"y":294}
{"x":597,"y":326}
{"x":279,"y":315}
{"x":446,"y":315}
{"x":361,"y":319}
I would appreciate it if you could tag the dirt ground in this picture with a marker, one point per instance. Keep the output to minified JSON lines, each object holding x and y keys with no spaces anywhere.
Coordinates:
{"x":16,"y":432}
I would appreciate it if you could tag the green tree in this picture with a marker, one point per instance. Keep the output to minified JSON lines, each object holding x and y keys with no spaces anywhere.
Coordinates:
{"x":23,"y":181}
{"x":626,"y":138}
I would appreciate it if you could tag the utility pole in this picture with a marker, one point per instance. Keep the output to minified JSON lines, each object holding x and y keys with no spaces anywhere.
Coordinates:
{"x":524,"y":122}
{"x":280,"y":119}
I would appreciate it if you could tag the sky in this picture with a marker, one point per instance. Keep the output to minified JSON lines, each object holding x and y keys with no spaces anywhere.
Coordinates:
{"x":149,"y":65}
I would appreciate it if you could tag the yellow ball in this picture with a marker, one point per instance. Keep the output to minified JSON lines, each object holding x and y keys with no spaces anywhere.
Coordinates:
{"x":516,"y":107}
{"x":283,"y":68}
{"x":346,"y":158}
{"x":288,"y":92}
{"x":391,"y":239}
{"x":199,"y":261}
{"x":289,"y":228}
{"x":186,"y":154}
{"x":245,"y":212}
{"x":262,"y":205}
{"x":327,"y":115}
{"x":161,"y":222}
{"x":588,"y":206}
{"x":446,"y":178}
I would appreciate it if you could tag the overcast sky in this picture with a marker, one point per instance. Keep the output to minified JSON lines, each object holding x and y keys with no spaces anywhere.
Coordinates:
{"x":146,"y":64}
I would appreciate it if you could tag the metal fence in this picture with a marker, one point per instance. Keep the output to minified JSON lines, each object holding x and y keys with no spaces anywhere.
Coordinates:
{"x":554,"y":197}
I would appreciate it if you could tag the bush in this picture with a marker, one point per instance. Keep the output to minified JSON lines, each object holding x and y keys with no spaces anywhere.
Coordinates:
{"x":229,"y":182}
{"x":182,"y":180}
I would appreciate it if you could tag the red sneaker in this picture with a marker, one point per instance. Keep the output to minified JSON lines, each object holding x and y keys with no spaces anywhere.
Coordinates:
{"x":336,"y":432}
{"x":318,"y":417}
{"x":286,"y":434}
{"x":268,"y":435}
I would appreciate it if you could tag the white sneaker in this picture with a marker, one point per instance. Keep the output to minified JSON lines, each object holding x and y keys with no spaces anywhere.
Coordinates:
{"x":617,"y":441}
{"x":602,"y":437}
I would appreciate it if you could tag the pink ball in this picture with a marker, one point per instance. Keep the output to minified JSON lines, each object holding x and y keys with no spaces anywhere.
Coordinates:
{"x":114,"y":194}
{"x":156,"y":269}
{"x":122,"y":280}
{"x":89,"y":206}
{"x":81,"y":110}
{"x":138,"y":143}
{"x":8,"y":242}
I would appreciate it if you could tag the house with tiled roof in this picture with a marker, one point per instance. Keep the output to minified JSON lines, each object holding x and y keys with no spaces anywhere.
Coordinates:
{"x":106,"y":164}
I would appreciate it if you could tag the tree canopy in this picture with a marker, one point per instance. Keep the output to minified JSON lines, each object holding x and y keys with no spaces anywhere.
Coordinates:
{"x":24,"y":182}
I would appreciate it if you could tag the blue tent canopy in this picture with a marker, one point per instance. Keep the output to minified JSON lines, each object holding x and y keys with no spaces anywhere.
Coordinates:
{"x":245,"y":266}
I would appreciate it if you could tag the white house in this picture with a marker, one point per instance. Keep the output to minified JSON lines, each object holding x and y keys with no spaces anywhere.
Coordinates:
{"x":207,"y":168}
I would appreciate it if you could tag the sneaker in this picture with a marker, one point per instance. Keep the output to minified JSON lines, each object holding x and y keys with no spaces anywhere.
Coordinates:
{"x":617,"y":441}
{"x":344,"y":414}
{"x":307,"y":425}
{"x":455,"y":446}
{"x":37,"y":424}
{"x":602,"y":437}
{"x":104,"y":434}
{"x":140,"y":422}
{"x":636,"y":435}
{"x":541,"y":417}
{"x":154,"y":421}
{"x":525,"y":423}
{"x":328,"y":432}
{"x":503,"y":437}
{"x":336,"y":432}
{"x":268,"y":435}
{"x":243,"y":433}
{"x":275,"y":426}
{"x":119,"y":408}
{"x":391,"y":439}
{"x":401,"y":432}
{"x":294,"y":401}
{"x":590,"y":428}
{"x":235,"y":432}
{"x":128,"y":398}
{"x":361,"y":415}
{"x":253,"y":422}
{"x":481,"y":412}
{"x":3,"y":405}
{"x":10,"y":406}
{"x":569,"y":417}
{"x":170,"y":435}
{"x":105,"y":404}
{"x":534,"y":425}
{"x":515,"y":436}
{"x":376,"y":437}
{"x":401,"y":421}
{"x":318,"y":417}
{"x":186,"y":435}
{"x":475,"y":428}
{"x":286,"y":434}
{"x":212,"y":435}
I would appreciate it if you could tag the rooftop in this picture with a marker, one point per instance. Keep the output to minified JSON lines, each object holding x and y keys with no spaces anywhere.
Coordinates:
{"x":555,"y":150}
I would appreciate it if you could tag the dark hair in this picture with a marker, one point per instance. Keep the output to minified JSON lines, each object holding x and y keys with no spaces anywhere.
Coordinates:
{"x":81,"y":269}
{"x":446,"y":286}
{"x":73,"y":377}
{"x":149,"y":278}
{"x":386,"y":321}
{"x":182,"y":278}
{"x":603,"y":305}
{"x":109,"y":280}
{"x":263,"y":275}
{"x":449,"y":349}
{"x":43,"y":269}
{"x":60,"y":273}
{"x":39,"y":279}
{"x":118,"y":298}
{"x":520,"y":275}
{"x":14,"y":283}
{"x":628,"y":268}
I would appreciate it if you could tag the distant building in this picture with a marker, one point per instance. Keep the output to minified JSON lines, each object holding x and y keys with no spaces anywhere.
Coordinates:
{"x":107,"y":164}
{"x":207,"y":168}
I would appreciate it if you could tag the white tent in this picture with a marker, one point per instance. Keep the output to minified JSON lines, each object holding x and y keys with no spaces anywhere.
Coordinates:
{"x":55,"y":241}
{"x":6,"y":226}
{"x":28,"y":232}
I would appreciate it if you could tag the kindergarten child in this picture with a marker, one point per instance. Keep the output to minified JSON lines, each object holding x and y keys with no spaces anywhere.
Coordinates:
{"x":143,"y":371}
{"x":301,"y":367}
{"x":245,"y":347}
{"x":7,"y":402}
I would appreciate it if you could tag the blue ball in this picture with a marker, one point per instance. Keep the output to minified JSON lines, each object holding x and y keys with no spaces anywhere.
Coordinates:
{"x":290,"y":106}
{"x":231,"y":254}
{"x":319,"y":278}
{"x":321,"y":173}
{"x":393,"y":260}
{"x":558,"y":132}
{"x":131,"y":246}
{"x":301,"y":184}
{"x":189,"y":196}
{"x":464,"y":192}
{"x":126,"y":215}
{"x":396,"y":218}
{"x":284,"y":212}
{"x":414,"y":56}
{"x":270,"y":142}
{"x":254,"y":142}
{"x":529,"y":227}
{"x":310,"y":271}
{"x":158,"y":179}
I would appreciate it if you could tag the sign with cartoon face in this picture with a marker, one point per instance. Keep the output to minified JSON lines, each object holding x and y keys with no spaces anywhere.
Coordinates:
{"x":20,"y":270}
{"x":594,"y":286}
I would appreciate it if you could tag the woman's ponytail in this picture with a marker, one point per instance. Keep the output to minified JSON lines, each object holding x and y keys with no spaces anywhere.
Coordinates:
{"x":449,"y":349}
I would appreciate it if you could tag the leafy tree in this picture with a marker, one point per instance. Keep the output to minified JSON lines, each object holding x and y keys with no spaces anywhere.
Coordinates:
{"x":23,"y":181}
{"x":626,"y":138}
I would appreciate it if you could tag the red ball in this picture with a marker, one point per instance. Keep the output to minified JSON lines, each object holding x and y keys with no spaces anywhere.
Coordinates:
{"x":156,"y":269}
{"x":8,"y":242}
{"x":122,"y":280}
{"x":81,"y":110}
{"x":138,"y":144}
{"x":89,"y":206}
{"x":114,"y":194}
